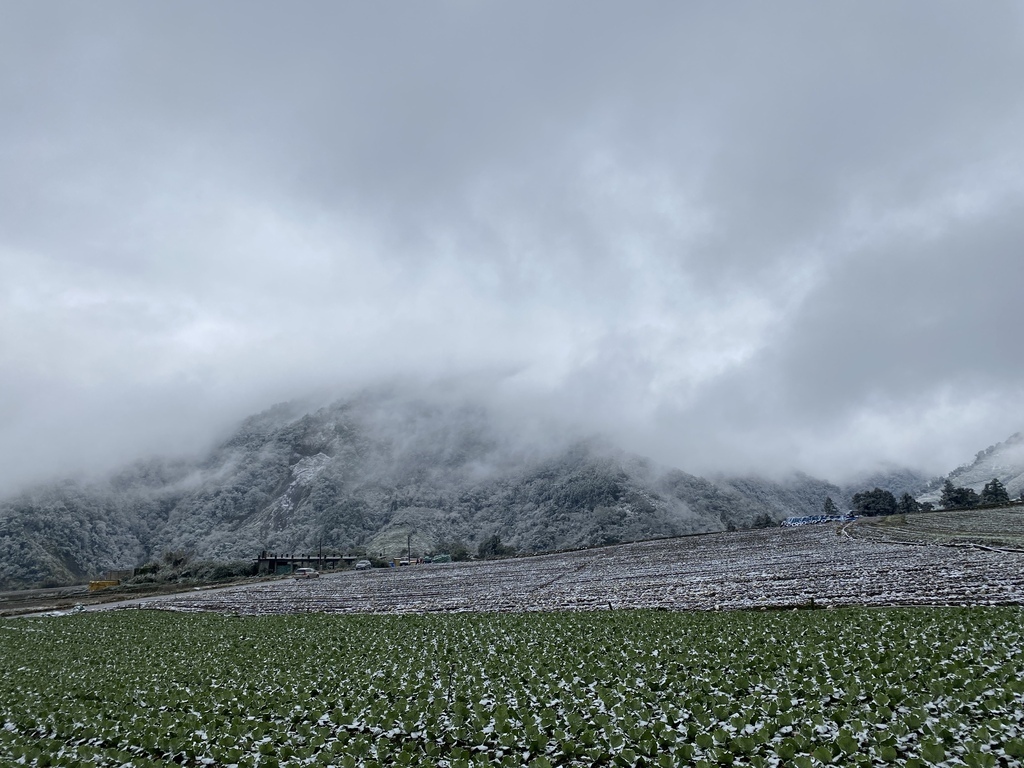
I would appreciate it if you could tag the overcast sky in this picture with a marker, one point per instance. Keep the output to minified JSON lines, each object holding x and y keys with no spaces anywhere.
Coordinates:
{"x":733,"y":236}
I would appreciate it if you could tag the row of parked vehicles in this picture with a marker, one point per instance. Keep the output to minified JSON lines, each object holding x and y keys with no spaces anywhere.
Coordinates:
{"x":365,"y":565}
{"x":313,"y":573}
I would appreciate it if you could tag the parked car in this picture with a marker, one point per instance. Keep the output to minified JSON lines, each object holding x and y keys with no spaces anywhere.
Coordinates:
{"x":307,"y":573}
{"x":363,"y":565}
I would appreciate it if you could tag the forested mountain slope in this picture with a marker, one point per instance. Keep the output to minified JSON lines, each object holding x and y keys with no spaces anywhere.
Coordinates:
{"x":895,"y":480}
{"x":367,"y":473}
{"x":1003,"y":461}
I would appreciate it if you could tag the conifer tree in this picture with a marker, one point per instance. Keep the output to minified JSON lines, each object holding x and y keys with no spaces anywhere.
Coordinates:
{"x":907,"y":505}
{"x":958,"y":497}
{"x":948,"y":500}
{"x":994,"y":492}
{"x":874,"y":502}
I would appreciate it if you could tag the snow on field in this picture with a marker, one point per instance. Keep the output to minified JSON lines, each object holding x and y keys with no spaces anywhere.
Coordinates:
{"x":1001,"y":528}
{"x":770,"y":568}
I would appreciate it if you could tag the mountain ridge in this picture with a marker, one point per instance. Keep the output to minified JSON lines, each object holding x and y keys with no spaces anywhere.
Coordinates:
{"x":365,"y":474}
{"x":370,"y":473}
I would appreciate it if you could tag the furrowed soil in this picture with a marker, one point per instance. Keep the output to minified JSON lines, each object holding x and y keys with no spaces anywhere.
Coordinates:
{"x":1000,"y":527}
{"x":811,"y":567}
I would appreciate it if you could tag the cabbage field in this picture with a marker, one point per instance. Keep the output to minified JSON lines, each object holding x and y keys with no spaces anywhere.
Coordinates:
{"x":857,"y":686}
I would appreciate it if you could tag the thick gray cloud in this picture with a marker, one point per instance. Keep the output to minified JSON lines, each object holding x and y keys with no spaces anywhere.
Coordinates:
{"x":748,"y":237}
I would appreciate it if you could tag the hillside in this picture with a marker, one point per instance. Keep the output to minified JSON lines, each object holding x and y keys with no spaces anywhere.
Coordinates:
{"x":896,"y":480}
{"x":367,"y":473}
{"x":1004,"y":461}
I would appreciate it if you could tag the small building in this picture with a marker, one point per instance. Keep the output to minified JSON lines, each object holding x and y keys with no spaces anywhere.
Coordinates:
{"x":274,"y":563}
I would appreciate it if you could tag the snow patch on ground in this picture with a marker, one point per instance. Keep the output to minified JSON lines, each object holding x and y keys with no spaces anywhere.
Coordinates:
{"x":815,"y":566}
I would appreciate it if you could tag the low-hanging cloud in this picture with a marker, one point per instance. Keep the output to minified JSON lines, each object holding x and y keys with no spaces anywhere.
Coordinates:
{"x":745,"y":239}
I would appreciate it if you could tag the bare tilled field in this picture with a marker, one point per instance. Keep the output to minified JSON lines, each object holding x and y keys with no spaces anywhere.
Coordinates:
{"x":817,"y":566}
{"x":1002,"y":527}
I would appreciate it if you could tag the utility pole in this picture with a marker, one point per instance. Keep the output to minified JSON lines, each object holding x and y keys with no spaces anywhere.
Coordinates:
{"x":408,"y":548}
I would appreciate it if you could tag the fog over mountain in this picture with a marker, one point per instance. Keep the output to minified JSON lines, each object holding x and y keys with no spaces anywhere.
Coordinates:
{"x":369,"y":474}
{"x":1003,"y":461}
{"x":744,"y":240}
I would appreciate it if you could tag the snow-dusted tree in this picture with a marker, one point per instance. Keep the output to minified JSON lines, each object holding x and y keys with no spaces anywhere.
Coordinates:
{"x":874,"y":502}
{"x":994,"y":492}
{"x":958,"y":497}
{"x":907,"y":505}
{"x":948,"y":498}
{"x":492,"y":547}
{"x":830,"y":507}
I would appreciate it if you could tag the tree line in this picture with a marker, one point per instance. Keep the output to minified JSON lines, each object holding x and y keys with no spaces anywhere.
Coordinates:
{"x":878,"y":501}
{"x":994,"y":493}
